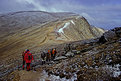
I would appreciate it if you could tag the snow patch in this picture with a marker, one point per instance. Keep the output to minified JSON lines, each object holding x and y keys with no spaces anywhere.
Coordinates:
{"x":74,"y":77}
{"x":115,"y":69}
{"x":61,"y":29}
{"x":72,"y":22}
{"x":45,"y":77}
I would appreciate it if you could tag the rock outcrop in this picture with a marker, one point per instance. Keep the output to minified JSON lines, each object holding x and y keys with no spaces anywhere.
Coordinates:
{"x":69,"y":54}
{"x":110,"y":35}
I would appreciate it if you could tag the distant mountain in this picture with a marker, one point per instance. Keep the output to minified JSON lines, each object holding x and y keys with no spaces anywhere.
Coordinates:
{"x":30,"y":18}
{"x":35,"y":30}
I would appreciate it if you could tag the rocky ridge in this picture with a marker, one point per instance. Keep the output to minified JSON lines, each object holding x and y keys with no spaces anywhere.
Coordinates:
{"x":39,"y":31}
{"x":93,"y":59}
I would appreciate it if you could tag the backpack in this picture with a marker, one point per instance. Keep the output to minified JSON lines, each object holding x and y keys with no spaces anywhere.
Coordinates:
{"x":29,"y":56}
{"x":51,"y":51}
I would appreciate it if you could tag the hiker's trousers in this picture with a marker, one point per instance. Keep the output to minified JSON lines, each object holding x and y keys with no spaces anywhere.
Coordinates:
{"x":28,"y":66}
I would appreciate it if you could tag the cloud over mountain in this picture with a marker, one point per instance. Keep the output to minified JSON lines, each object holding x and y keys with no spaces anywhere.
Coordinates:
{"x":100,"y":13}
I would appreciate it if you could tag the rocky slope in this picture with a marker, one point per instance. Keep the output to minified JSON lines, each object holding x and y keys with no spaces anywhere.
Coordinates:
{"x":89,"y":60}
{"x":40,"y":30}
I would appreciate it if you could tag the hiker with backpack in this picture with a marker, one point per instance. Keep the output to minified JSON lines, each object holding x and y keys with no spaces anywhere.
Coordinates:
{"x":53,"y":53}
{"x":43,"y":55}
{"x":23,"y":55}
{"x":48,"y":56}
{"x":28,"y":59}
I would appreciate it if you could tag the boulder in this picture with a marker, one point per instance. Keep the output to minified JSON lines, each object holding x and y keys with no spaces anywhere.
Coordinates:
{"x":75,"y":51}
{"x":117,"y":30}
{"x":102,"y":40}
{"x":109,"y":35}
{"x":60,"y":58}
{"x":69,"y":54}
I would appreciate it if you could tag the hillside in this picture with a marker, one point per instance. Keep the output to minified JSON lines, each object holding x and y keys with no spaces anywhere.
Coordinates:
{"x":22,"y":30}
{"x":88,"y":60}
{"x":40,"y":30}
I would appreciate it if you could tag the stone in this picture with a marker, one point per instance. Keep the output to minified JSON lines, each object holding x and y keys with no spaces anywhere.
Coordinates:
{"x":75,"y":51}
{"x":69,"y":54}
{"x":60,"y":58}
{"x":109,"y":35}
{"x":61,"y":75}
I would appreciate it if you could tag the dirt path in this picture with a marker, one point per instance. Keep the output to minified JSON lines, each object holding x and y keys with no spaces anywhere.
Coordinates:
{"x":40,"y":75}
{"x":29,"y":75}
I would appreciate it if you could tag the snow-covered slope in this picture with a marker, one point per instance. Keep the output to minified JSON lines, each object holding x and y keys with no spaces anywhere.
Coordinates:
{"x":77,"y":28}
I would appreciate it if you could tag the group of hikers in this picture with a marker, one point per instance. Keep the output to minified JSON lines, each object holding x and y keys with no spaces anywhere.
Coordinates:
{"x":28,"y":57}
{"x":50,"y":55}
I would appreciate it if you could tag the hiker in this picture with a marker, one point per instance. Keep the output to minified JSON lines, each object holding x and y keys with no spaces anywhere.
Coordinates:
{"x":28,"y":58}
{"x":54,"y":53}
{"x":23,"y":55}
{"x":51,"y":54}
{"x":43,"y":55}
{"x":48,"y":56}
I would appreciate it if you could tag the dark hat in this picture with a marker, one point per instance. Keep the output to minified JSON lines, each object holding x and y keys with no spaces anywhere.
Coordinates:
{"x":27,"y":50}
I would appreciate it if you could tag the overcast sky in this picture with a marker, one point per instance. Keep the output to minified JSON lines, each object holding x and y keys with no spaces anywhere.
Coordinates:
{"x":101,"y":13}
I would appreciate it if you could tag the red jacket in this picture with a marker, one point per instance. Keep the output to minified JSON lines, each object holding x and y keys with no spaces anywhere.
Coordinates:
{"x":27,"y":57}
{"x":54,"y":51}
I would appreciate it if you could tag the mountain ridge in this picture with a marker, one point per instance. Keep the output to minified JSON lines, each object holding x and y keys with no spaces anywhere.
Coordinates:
{"x":13,"y":40}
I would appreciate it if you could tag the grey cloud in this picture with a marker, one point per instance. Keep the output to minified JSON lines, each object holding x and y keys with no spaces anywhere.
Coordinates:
{"x":103,"y":15}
